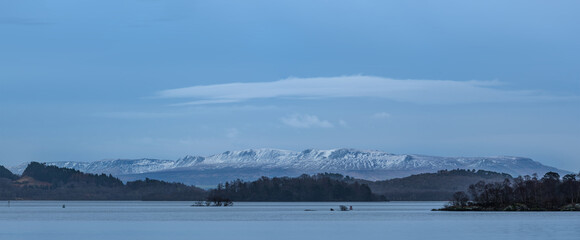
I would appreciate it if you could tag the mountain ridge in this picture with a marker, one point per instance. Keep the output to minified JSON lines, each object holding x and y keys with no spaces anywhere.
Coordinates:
{"x":365,"y":164}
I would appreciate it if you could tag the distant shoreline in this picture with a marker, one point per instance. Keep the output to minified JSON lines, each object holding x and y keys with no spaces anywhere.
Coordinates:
{"x":511,"y":208}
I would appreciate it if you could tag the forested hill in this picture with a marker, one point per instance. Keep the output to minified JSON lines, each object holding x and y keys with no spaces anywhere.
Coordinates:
{"x":311,"y":188}
{"x":57,"y":177}
{"x":433,"y":186}
{"x":5,"y":173}
{"x":42,"y":182}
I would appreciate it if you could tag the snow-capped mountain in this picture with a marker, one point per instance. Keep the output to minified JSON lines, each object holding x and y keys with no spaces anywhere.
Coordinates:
{"x":253,"y":163}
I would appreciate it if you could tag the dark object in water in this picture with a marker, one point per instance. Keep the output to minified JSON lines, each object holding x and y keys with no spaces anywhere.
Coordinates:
{"x":63,"y":206}
{"x":225,"y":203}
{"x":332,"y":209}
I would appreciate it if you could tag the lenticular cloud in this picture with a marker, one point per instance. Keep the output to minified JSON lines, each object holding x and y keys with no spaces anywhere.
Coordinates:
{"x":415,"y":91}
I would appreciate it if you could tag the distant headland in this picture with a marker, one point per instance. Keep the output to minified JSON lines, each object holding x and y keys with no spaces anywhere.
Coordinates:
{"x":528,"y":193}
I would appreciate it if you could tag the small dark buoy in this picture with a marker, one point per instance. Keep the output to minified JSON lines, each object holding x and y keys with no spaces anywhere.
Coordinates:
{"x":332,"y":209}
{"x":63,"y":206}
{"x":350,"y":208}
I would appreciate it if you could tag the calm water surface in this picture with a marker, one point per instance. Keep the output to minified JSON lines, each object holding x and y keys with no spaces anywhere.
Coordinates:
{"x":178,"y":220}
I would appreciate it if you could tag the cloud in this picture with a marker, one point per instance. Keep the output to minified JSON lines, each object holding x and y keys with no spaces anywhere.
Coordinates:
{"x":209,"y":101}
{"x":381,"y":115}
{"x":232,"y":133}
{"x":414,"y":91}
{"x":138,"y":115}
{"x":305,"y":121}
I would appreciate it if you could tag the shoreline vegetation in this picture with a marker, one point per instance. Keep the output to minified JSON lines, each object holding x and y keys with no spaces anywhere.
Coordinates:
{"x":528,"y":193}
{"x":489,"y":191}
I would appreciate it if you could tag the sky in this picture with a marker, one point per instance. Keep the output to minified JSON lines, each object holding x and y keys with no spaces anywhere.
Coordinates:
{"x":90,"y":80}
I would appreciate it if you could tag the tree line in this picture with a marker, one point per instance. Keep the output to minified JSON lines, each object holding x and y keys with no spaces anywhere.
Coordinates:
{"x":43,"y":182}
{"x":319,"y":187}
{"x":57,"y":176}
{"x":522,"y":193}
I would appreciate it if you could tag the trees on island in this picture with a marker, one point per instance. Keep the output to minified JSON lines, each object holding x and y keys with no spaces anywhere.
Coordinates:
{"x":319,"y":187}
{"x":523,"y":193}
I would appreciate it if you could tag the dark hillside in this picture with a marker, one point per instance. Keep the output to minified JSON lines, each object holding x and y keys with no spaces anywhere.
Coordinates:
{"x":155,"y":190}
{"x":5,"y":173}
{"x":438,"y":186}
{"x":320,"y":187}
{"x":57,"y":176}
{"x":42,"y":182}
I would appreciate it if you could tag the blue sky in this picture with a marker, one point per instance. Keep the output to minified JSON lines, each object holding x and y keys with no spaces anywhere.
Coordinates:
{"x":90,"y":80}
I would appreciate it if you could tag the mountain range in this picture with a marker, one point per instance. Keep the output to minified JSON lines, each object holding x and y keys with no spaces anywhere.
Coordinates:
{"x":253,"y":163}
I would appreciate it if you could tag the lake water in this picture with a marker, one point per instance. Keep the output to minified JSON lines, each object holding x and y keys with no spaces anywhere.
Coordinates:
{"x":178,"y":220}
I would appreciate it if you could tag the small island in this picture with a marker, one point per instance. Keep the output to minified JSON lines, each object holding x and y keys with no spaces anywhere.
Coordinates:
{"x":528,"y":193}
